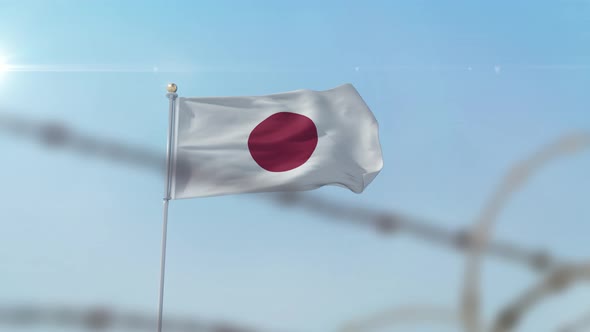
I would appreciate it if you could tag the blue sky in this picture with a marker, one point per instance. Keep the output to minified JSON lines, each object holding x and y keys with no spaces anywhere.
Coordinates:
{"x":461,"y":90}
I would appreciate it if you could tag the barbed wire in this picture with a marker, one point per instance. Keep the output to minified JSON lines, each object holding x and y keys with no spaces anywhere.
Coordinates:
{"x":473,"y":241}
{"x":555,"y":282}
{"x":55,"y":134}
{"x":404,"y":315}
{"x":514,"y":180}
{"x":102,"y":318}
{"x":560,"y":274}
{"x":391,"y":223}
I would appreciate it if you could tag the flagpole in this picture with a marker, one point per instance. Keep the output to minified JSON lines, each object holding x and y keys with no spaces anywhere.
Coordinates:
{"x":171,"y":88}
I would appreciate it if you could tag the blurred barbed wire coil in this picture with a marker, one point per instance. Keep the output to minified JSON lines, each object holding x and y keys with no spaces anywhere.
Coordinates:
{"x":555,"y":273}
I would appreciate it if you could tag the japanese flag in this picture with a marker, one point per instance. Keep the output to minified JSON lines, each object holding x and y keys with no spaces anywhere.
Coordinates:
{"x":291,"y":141}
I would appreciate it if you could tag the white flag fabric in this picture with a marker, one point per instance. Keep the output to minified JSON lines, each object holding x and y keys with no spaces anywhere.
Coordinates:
{"x":291,"y":141}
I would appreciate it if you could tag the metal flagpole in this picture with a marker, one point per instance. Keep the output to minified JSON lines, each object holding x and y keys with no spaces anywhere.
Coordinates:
{"x":172,"y":88}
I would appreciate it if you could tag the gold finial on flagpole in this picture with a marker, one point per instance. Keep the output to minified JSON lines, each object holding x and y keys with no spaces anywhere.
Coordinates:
{"x":172,"y":88}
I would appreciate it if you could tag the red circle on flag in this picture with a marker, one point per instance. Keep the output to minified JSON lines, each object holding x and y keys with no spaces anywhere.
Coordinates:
{"x":283,"y":141}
